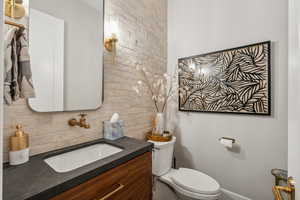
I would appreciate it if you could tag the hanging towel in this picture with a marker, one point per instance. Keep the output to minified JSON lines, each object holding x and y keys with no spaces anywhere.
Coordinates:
{"x":10,"y":63}
{"x":18,"y":76}
{"x":25,"y":75}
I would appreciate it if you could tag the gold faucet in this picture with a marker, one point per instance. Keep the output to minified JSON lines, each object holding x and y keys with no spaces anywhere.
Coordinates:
{"x":81,"y":123}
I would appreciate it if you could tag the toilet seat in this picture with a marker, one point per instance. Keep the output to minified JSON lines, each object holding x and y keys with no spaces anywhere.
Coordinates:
{"x":182,"y":182}
{"x":195,"y":181}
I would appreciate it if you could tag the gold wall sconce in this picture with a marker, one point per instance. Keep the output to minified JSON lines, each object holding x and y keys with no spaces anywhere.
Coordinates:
{"x":111,"y":40}
{"x":14,"y":9}
{"x":111,"y":43}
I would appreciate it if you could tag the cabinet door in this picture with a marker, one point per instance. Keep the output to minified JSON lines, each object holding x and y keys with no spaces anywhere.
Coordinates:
{"x":138,"y":182}
{"x":138,"y":191}
{"x":130,"y":181}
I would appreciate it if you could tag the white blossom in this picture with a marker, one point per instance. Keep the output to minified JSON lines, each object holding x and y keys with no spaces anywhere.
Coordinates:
{"x":161,"y":88}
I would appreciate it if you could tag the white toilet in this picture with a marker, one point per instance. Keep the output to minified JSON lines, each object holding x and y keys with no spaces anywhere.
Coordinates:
{"x":188,"y":184}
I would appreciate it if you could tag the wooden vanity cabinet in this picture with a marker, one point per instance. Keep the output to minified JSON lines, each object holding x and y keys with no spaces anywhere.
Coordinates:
{"x":129,"y":181}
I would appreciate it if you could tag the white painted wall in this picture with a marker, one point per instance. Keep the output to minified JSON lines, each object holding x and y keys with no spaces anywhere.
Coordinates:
{"x":294,"y":92}
{"x":200,"y":26}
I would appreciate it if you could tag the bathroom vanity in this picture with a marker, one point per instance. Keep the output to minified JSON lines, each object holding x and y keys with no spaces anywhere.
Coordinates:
{"x":126,"y":175}
{"x":131,"y":180}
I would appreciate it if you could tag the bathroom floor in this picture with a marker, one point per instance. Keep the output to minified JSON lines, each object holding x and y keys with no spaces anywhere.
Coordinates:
{"x":162,"y":191}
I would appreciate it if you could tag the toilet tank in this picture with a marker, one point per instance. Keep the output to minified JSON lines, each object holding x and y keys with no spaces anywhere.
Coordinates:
{"x":162,"y":157}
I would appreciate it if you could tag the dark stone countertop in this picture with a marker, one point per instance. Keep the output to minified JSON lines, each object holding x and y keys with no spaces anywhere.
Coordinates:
{"x":35,"y":180}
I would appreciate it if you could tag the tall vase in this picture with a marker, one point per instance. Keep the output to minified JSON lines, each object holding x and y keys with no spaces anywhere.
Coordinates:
{"x":159,"y":124}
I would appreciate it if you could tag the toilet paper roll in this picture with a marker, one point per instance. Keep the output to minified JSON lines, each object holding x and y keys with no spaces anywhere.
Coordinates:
{"x":227,"y":143}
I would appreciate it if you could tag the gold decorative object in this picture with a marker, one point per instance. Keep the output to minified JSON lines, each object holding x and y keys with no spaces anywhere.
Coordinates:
{"x":14,"y":10}
{"x":20,"y":140}
{"x":159,"y":138}
{"x":290,"y":190}
{"x":81,"y":123}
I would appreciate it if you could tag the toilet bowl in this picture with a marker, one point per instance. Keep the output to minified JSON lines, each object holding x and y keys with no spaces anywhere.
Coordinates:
{"x":188,"y":184}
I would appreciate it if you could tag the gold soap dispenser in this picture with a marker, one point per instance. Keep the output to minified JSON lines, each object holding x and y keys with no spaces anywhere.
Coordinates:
{"x":19,"y":147}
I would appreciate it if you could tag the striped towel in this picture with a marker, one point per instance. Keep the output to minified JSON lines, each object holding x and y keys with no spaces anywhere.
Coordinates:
{"x":17,"y":76}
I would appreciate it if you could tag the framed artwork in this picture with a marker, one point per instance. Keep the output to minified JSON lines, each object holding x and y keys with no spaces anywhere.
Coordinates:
{"x":235,"y":80}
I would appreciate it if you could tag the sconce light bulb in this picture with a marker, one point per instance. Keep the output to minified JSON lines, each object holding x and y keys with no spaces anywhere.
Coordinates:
{"x":114,"y":29}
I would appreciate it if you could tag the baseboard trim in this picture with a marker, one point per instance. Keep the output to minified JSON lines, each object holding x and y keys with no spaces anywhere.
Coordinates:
{"x":228,"y":195}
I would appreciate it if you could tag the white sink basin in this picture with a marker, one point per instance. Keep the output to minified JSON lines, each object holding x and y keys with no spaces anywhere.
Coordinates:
{"x":69,"y":161}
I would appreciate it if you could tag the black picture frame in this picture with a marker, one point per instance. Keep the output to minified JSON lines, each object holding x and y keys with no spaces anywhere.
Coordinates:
{"x":267,"y":52}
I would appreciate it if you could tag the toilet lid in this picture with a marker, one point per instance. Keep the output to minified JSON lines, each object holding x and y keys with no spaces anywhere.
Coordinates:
{"x":195,"y":181}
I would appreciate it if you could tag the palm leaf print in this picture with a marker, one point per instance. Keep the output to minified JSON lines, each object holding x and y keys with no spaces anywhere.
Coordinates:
{"x":230,"y":81}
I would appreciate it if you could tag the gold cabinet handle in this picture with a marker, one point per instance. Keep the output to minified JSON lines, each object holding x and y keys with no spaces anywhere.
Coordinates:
{"x":121,"y":186}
